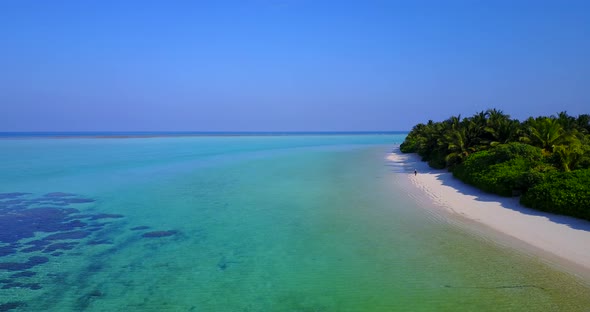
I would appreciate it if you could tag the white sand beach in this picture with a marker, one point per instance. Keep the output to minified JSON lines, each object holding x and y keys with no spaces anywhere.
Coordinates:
{"x":558,"y":237}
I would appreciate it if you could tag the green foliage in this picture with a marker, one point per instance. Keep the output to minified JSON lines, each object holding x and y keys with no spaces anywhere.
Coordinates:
{"x":437,"y":160}
{"x":504,"y":169}
{"x":410,"y":144}
{"x":545,"y":132}
{"x":567,"y":156}
{"x":513,"y":150}
{"x":564,"y":140}
{"x":507,"y":157}
{"x":562,"y":192}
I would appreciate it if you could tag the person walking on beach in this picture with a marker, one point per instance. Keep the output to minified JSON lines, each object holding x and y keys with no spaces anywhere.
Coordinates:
{"x":415,"y":172}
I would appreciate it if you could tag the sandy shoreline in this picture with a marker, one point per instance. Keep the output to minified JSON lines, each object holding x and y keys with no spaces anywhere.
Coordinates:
{"x":563,"y":237}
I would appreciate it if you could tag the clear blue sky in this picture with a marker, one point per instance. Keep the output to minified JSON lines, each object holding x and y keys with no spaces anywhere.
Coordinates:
{"x":286,"y":65}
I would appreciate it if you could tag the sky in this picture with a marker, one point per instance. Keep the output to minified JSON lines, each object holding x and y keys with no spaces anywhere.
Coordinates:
{"x":286,"y":65}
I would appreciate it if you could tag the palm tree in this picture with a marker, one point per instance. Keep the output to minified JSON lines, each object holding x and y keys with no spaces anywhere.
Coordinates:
{"x":500,"y":128}
{"x":567,"y":122}
{"x":568,"y":155}
{"x":545,"y":132}
{"x":461,"y":138}
{"x":480,"y":119}
{"x":583,"y":123}
{"x":427,"y":142}
{"x":458,"y":146}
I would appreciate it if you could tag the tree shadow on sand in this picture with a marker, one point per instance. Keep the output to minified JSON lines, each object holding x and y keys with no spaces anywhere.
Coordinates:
{"x":406,"y":163}
{"x":511,"y":203}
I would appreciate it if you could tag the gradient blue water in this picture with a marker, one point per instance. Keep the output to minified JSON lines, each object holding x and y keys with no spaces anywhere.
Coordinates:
{"x":260,"y":223}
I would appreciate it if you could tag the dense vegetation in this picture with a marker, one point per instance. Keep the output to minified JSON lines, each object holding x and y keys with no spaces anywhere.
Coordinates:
{"x":544,"y":159}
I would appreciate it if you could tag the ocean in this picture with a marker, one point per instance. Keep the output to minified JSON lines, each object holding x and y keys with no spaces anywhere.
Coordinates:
{"x":256,"y":222}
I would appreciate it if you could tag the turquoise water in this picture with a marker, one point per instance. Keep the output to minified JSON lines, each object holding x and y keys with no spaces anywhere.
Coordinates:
{"x":249,"y":223}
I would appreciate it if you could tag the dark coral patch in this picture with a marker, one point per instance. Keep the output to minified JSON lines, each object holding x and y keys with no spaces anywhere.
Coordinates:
{"x":72,"y":224}
{"x":19,"y":266}
{"x":24,"y":217}
{"x":75,"y":224}
{"x":14,"y":266}
{"x":159,"y":234}
{"x":78,"y":200}
{"x":32,"y":249}
{"x":98,"y":216}
{"x":12,"y":285}
{"x":23,"y":274}
{"x":86,"y":300}
{"x":13,"y":202}
{"x":95,"y":267}
{"x":105,"y":216}
{"x":59,"y":194}
{"x":60,"y":200}
{"x":12,"y":195}
{"x":222,"y":264}
{"x":37,"y":260}
{"x":33,"y":286}
{"x":6,"y":250}
{"x":43,"y":201}
{"x":19,"y":224}
{"x":59,"y":246}
{"x":99,"y":242}
{"x":139,"y":228}
{"x":11,"y":305}
{"x":39,"y":242}
{"x":68,"y":235}
{"x":70,"y":210}
{"x":82,"y":216}
{"x":56,"y":203}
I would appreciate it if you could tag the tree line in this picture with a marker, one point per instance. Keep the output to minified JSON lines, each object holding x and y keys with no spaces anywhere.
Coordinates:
{"x":545,"y":159}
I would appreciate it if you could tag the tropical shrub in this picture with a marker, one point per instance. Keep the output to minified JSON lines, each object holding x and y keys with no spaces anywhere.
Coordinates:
{"x":544,"y":158}
{"x":562,"y":192}
{"x":504,"y":169}
{"x":437,"y":160}
{"x":504,"y":152}
{"x":409,"y":144}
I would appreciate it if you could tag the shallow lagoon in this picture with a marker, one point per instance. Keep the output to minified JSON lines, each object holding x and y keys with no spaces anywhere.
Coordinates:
{"x":253,"y":223}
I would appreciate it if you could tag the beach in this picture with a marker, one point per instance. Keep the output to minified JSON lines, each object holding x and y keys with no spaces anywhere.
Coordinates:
{"x":558,"y":239}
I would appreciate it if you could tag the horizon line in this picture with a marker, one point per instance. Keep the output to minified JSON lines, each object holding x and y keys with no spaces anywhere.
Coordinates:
{"x":149,"y":134}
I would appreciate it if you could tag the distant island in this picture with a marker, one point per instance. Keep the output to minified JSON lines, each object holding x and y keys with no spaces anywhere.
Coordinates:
{"x":546,"y":160}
